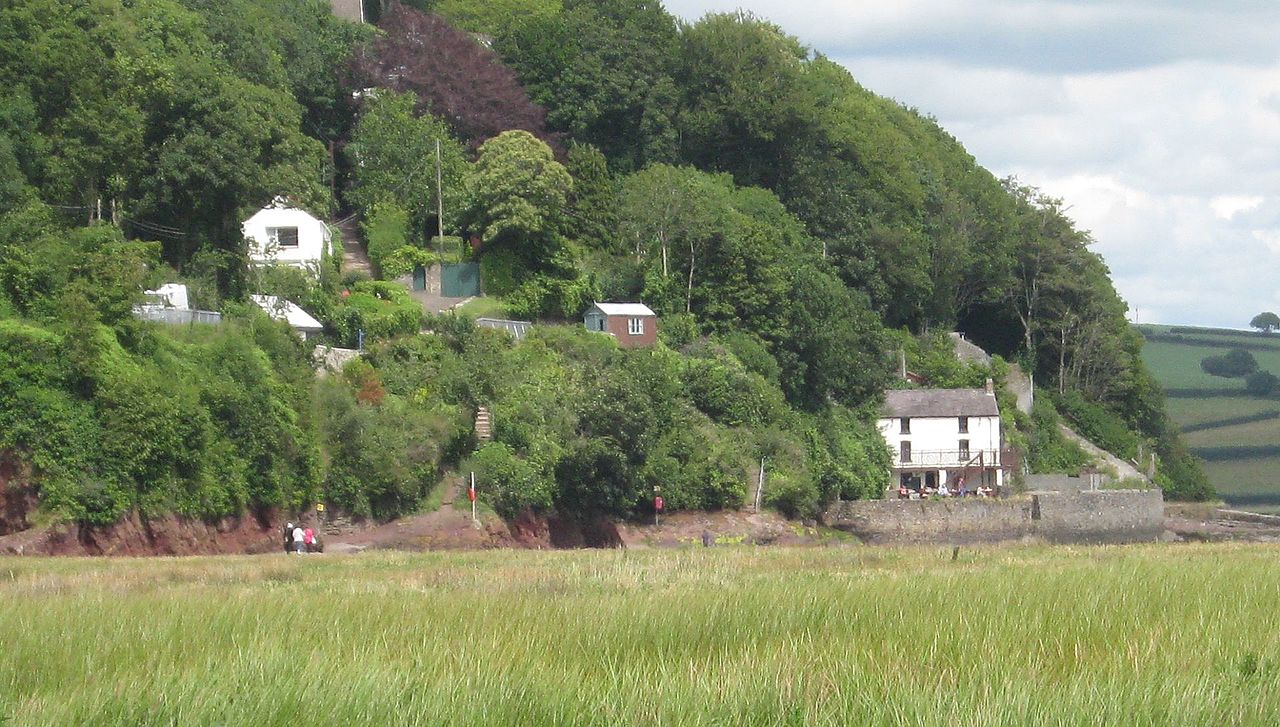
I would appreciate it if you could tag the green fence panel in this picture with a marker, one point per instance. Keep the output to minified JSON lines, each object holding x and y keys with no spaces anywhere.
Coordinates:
{"x":460,"y":280}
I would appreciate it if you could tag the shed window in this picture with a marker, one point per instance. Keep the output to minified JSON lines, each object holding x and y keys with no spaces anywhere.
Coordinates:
{"x":283,"y":236}
{"x":635,"y":326}
{"x":906,"y":426}
{"x":964,"y":425}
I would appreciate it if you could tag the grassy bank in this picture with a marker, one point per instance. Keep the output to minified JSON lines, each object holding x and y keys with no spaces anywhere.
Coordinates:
{"x":1139,"y":635}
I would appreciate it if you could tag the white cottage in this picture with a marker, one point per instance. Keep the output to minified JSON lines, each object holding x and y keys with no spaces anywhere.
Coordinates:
{"x":942,"y":437}
{"x":282,"y":233}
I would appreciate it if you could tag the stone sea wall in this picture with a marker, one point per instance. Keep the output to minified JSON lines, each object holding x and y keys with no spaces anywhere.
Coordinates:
{"x":1103,"y":516}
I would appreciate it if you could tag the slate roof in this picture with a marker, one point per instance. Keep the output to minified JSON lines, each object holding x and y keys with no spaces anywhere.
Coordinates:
{"x":625,"y":309}
{"x":940,"y":403}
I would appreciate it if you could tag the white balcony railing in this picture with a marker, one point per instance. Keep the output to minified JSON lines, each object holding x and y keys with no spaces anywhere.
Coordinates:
{"x":948,"y":458}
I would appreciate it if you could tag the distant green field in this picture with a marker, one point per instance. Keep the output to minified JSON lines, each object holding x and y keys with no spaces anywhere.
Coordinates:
{"x":1240,"y":435}
{"x":1253,"y":484}
{"x":1178,"y":365}
{"x":1184,"y":634}
{"x":1194,"y":411}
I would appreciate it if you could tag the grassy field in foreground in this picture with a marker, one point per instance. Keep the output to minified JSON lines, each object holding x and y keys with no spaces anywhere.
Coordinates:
{"x":728,"y":636}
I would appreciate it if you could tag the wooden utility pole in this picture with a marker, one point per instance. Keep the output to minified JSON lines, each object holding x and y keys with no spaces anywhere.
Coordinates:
{"x":439,"y":202}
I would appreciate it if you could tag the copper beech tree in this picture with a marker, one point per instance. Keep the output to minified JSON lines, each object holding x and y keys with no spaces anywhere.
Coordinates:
{"x":454,"y":75}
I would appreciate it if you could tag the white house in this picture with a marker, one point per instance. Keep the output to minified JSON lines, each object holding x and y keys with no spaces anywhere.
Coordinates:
{"x":280,"y":309}
{"x":943,"y":436}
{"x":634,"y":325}
{"x":285,"y":234}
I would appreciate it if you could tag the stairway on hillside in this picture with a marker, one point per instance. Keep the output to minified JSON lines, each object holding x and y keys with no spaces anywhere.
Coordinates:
{"x":354,"y":256}
{"x":484,"y":425}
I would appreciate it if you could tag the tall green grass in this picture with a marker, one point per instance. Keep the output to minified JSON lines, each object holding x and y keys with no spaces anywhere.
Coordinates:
{"x":726,"y":636}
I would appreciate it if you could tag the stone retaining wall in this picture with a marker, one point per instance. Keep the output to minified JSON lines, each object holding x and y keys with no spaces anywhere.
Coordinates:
{"x":1104,"y":516}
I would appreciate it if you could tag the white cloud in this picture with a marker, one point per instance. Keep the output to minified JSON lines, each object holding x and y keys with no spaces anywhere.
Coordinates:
{"x":1226,"y":207}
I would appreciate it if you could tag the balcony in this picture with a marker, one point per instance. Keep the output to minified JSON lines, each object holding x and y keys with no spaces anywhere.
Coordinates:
{"x":948,"y":459}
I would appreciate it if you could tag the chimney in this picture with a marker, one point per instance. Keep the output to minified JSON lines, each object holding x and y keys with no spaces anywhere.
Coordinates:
{"x":991,"y":387}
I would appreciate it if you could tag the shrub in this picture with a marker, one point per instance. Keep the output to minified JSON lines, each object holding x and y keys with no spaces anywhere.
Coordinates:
{"x":1049,"y":451}
{"x":381,"y":309}
{"x":386,"y":230}
{"x":1099,"y":425}
{"x":753,"y":353}
{"x":793,"y":496}
{"x":509,"y":483}
{"x":1262,"y":383}
{"x":543,"y":297}
{"x":1234,"y":364}
{"x":501,"y":270}
{"x":678,"y":329}
{"x":594,"y":478}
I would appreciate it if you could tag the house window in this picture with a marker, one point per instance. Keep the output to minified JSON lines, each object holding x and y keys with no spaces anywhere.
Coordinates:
{"x":906,"y":426}
{"x":905,"y":453}
{"x":635,"y":326}
{"x":283,"y":236}
{"x":964,"y":425}
{"x":964,"y":450}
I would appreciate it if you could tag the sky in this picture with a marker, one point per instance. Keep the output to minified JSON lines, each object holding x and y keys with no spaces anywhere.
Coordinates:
{"x":1157,"y":122}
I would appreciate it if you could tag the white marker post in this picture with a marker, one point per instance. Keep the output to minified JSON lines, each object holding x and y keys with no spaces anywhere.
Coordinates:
{"x":471,"y":495}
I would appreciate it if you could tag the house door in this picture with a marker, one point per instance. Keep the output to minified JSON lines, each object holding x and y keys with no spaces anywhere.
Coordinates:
{"x":931,"y":479}
{"x":419,"y":278}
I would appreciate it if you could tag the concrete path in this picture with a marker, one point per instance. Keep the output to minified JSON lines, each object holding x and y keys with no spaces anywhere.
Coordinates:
{"x":354,"y":256}
{"x":1124,"y":470}
{"x":1020,"y":385}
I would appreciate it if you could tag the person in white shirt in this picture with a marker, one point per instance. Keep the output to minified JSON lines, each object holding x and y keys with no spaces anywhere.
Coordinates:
{"x":298,"y":537}
{"x":943,"y":491}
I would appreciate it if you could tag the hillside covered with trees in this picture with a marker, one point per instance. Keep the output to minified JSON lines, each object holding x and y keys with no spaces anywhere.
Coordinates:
{"x":793,"y":230}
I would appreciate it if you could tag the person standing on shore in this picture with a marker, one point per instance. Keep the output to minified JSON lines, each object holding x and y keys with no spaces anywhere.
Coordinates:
{"x":298,"y":540}
{"x":288,"y":537}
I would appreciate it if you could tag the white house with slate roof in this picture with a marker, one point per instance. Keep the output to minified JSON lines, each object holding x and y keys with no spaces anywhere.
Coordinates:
{"x":284,"y":234}
{"x":943,"y":436}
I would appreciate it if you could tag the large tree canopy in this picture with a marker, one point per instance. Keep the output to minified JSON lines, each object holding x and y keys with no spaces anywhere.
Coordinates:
{"x":454,"y":76}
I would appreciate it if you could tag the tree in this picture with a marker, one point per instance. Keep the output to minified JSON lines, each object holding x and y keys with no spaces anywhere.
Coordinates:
{"x":663,"y":208}
{"x":1235,"y":364}
{"x":1265,"y":322}
{"x":743,"y":96}
{"x":604,"y":72}
{"x":1262,"y":383}
{"x":393,"y":155}
{"x":452,"y":74}
{"x":594,"y":202}
{"x":519,"y":196}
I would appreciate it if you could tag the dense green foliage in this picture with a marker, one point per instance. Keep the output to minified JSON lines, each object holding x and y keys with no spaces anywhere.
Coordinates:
{"x":794,"y":231}
{"x":592,"y":429}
